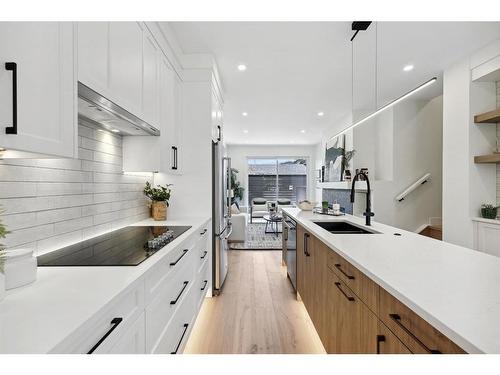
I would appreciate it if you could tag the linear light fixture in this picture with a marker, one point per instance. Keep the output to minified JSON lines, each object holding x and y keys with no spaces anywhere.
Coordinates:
{"x":388,"y":105}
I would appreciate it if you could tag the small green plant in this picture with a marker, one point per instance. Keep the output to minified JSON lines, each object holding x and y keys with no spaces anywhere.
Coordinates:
{"x":158,"y":194}
{"x":488,"y":211}
{"x":235,"y":185}
{"x":3,"y":233}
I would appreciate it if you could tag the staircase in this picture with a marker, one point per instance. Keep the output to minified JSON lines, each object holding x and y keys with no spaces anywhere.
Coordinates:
{"x":433,"y":231}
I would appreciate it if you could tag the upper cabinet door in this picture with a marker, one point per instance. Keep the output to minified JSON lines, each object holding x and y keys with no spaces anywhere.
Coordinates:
{"x":93,"y":56}
{"x":42,"y":72}
{"x":125,"y":65}
{"x":150,"y":80}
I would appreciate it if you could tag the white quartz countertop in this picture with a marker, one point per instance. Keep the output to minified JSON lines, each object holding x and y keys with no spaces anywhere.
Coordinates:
{"x":455,"y":289}
{"x":38,"y":317}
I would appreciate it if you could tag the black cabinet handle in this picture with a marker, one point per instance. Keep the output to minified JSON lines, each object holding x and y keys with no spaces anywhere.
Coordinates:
{"x":174,"y":166}
{"x":219,"y":133}
{"x":173,"y":302}
{"x":114,"y":323}
{"x":349,"y":298}
{"x":184,"y":252}
{"x":204,"y":284}
{"x":380,"y":338}
{"x":12,"y":66}
{"x":204,"y":254}
{"x":182,"y":337}
{"x":306,"y":243}
{"x":397,"y":319}
{"x":339,"y":267}
{"x":204,"y":231}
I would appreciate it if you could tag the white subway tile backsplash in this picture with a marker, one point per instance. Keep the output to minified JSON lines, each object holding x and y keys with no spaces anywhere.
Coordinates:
{"x":50,"y":203}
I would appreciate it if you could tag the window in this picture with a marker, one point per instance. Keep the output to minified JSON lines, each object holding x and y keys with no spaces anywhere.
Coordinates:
{"x":274,"y":179}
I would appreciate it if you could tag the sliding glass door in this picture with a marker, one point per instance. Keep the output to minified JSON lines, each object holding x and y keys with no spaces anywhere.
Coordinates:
{"x":273,"y":179}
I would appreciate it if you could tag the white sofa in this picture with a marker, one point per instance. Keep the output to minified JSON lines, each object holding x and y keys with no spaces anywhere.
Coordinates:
{"x":239,"y":224}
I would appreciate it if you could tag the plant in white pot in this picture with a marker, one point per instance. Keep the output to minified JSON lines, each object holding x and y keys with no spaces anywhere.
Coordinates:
{"x":159,"y":200}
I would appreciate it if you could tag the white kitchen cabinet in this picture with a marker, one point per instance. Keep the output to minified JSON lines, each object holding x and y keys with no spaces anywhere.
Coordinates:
{"x":38,"y":60}
{"x":133,"y":341}
{"x":93,"y":56}
{"x":125,"y":64}
{"x":163,"y":153}
{"x":487,"y":236}
{"x":150,"y":79}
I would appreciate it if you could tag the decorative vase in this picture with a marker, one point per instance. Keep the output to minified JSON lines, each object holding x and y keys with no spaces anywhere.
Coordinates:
{"x":159,"y":210}
{"x":489,"y":213}
{"x":2,"y":286}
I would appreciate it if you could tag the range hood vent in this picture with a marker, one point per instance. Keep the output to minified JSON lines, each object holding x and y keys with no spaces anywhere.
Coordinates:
{"x":103,"y":112}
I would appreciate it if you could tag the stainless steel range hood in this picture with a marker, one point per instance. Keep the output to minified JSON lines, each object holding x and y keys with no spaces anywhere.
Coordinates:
{"x":103,"y":112}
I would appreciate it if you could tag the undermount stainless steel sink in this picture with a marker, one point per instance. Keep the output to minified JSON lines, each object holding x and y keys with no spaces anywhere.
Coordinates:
{"x":342,"y":227}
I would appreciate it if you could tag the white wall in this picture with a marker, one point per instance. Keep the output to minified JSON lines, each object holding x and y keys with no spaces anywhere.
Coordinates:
{"x":239,"y":155}
{"x":50,"y":203}
{"x":466,"y":185}
{"x":399,"y":146}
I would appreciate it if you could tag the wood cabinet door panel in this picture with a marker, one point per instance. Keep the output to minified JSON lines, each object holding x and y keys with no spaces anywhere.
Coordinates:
{"x":415,"y":333}
{"x":388,"y":343}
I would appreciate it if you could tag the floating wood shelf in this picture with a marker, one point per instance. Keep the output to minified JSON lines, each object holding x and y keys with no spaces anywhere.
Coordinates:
{"x":491,"y":117}
{"x":492,"y":159}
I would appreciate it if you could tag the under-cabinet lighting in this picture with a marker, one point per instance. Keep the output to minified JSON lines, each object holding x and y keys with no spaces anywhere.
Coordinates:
{"x":388,"y":105}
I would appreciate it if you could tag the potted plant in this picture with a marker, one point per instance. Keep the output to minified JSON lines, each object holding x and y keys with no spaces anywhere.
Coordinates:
{"x":488,"y":211}
{"x":3,"y":233}
{"x":159,"y":200}
{"x":236,"y":186}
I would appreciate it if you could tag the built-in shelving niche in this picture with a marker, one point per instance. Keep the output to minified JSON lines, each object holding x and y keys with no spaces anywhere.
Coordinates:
{"x":491,"y":117}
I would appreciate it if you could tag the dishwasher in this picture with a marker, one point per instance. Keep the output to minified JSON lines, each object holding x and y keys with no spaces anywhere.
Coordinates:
{"x":290,"y":248}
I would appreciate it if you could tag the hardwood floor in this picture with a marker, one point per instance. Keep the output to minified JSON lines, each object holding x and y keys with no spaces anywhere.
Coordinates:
{"x":257,"y":312}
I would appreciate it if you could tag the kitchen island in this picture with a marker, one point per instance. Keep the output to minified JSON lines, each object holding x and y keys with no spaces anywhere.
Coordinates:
{"x":69,"y":309}
{"x":452,"y":288}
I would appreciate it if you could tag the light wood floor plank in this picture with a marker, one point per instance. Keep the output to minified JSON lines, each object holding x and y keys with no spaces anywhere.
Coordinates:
{"x":257,"y":312}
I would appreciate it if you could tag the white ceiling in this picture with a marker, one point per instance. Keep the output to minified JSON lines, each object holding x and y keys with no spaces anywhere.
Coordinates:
{"x":296,"y":69}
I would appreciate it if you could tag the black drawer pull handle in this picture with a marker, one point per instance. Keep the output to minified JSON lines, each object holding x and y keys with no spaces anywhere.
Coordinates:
{"x":204,"y":231}
{"x":204,"y":254}
{"x":397,"y":319}
{"x":380,"y":338}
{"x":339,"y":267}
{"x":204,"y":284}
{"x":174,"y":149}
{"x":182,"y":337}
{"x":114,"y":323}
{"x":349,"y":298}
{"x":12,"y":66}
{"x":306,"y":249}
{"x":173,"y":302}
{"x":184,"y":252}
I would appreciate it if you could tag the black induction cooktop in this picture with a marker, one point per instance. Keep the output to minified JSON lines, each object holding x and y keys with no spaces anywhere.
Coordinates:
{"x":128,"y":246}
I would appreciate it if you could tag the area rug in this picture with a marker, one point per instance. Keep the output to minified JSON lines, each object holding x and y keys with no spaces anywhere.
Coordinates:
{"x":257,"y":239}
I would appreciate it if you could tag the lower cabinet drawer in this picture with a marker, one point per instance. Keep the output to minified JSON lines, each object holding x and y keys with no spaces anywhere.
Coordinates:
{"x":202,"y":284}
{"x":174,"y":337}
{"x":166,"y":303}
{"x":413,"y":331}
{"x":388,"y":343}
{"x":360,"y":284}
{"x":133,"y":341}
{"x":104,"y":331}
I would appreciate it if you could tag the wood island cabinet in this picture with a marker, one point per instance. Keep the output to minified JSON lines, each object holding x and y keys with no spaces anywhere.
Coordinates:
{"x":352,"y":313}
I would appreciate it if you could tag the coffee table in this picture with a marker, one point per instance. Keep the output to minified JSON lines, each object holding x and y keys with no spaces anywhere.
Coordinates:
{"x":272,"y":224}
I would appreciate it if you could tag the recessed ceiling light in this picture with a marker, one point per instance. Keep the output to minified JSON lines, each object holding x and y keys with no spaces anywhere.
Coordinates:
{"x":407,"y":68}
{"x":321,"y":114}
{"x":303,"y":131}
{"x":245,"y":131}
{"x":115,"y":130}
{"x":244,"y":114}
{"x":242,"y":67}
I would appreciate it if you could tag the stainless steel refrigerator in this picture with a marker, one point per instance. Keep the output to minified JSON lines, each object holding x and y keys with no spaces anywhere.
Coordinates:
{"x":221,"y":214}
